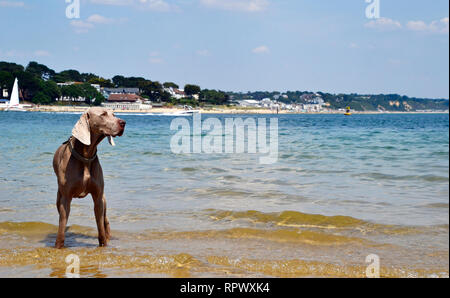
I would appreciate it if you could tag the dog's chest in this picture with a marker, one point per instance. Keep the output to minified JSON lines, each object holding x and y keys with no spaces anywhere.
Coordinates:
{"x":86,"y":183}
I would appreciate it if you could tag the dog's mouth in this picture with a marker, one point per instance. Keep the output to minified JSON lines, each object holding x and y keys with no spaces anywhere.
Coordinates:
{"x":112,"y":136}
{"x":111,"y":140}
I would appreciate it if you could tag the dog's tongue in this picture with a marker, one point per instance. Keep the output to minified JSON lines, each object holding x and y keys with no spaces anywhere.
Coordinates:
{"x":111,"y":141}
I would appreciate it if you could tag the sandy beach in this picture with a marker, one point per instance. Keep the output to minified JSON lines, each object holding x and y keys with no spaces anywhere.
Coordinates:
{"x":209,"y":110}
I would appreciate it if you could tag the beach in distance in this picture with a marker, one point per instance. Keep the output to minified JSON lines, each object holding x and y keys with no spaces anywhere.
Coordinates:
{"x":211,"y":110}
{"x":344,"y":193}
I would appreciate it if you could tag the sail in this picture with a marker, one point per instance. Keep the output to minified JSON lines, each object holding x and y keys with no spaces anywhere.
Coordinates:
{"x":14,"y":101}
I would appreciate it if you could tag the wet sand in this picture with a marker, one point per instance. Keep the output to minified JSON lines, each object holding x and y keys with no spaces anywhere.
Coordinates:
{"x":287,"y":244}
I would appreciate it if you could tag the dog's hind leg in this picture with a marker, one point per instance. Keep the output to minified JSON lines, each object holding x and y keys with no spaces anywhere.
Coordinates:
{"x":107,"y":228}
{"x":99,"y":210}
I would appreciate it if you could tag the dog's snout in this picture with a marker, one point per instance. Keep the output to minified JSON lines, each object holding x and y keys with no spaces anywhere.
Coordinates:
{"x":122,"y":123}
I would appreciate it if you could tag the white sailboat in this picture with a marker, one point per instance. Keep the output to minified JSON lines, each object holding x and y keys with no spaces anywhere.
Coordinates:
{"x":14,"y":104}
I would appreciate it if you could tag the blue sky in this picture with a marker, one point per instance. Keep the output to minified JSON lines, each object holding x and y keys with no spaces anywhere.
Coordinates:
{"x":240,"y":45}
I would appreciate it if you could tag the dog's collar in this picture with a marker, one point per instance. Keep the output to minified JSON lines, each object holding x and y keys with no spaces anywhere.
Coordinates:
{"x":78,"y":156}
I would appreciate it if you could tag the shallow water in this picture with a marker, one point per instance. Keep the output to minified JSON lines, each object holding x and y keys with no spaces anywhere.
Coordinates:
{"x":343,"y":188}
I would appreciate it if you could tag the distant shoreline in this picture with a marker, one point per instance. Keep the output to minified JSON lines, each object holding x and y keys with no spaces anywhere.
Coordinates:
{"x":74,"y":109}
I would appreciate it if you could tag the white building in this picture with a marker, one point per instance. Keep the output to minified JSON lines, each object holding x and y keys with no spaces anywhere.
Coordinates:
{"x":176,"y":93}
{"x":67,"y":99}
{"x":249,"y":103}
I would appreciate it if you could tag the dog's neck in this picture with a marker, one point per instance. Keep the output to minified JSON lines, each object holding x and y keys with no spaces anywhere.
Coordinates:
{"x":91,"y":150}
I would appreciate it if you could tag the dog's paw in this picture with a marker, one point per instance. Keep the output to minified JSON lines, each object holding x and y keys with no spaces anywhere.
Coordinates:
{"x":59,"y":245}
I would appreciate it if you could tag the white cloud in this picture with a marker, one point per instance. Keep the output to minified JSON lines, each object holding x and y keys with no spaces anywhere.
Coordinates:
{"x":14,"y":54}
{"x":155,"y":5}
{"x":353,"y":45}
{"x":383,"y":24}
{"x":261,"y":50}
{"x":14,"y":4}
{"x":417,"y":26}
{"x":440,"y":26}
{"x":98,"y":19}
{"x":41,"y":53}
{"x":81,"y":26}
{"x":113,"y":2}
{"x":155,"y":58}
{"x":237,"y":5}
{"x":394,"y":61}
{"x":204,"y":53}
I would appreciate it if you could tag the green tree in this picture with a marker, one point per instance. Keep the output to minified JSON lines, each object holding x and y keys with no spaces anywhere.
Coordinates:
{"x":153,"y":90}
{"x":102,"y":82}
{"x":91,"y":94}
{"x":41,"y":71}
{"x":191,"y":89}
{"x":118,"y":81}
{"x":70,"y":75}
{"x":48,"y":93}
{"x":127,"y":82}
{"x":214,"y":97}
{"x":6,"y":81}
{"x":41,"y":98}
{"x":86,"y":77}
{"x":170,"y":85}
{"x":28,"y":84}
{"x":10,"y":67}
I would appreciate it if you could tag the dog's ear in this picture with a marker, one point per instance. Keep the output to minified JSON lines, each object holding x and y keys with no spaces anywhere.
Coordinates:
{"x":82,"y":131}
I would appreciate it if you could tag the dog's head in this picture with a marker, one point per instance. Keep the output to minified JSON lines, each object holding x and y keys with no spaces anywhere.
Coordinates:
{"x":98,"y":121}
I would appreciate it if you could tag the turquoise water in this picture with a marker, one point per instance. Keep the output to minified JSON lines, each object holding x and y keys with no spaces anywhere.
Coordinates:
{"x":390,"y":169}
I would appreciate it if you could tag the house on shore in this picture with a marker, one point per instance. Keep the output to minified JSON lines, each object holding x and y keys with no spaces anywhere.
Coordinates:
{"x":126,"y":101}
{"x":121,"y":90}
{"x":4,"y":92}
{"x":176,"y":93}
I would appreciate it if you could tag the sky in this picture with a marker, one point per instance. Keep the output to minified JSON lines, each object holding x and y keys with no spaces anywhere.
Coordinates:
{"x":240,"y":45}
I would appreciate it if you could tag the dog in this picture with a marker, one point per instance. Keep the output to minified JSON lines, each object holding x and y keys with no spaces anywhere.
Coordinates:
{"x":78,"y":169}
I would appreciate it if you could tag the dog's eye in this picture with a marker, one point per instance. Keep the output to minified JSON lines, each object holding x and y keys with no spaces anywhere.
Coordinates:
{"x":104,"y":114}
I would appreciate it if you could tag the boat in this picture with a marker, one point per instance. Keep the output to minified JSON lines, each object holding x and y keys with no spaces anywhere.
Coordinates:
{"x":188,"y":110}
{"x":348,"y":112}
{"x":14,"y":104}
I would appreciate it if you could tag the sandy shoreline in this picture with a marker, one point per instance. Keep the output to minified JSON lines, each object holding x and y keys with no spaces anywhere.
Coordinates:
{"x":218,"y":110}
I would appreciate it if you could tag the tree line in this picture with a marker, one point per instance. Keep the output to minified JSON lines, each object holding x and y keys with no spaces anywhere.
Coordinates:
{"x":38,"y":84}
{"x":358,"y":102}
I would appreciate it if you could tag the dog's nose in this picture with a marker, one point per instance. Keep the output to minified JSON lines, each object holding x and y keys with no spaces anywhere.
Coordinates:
{"x":122,"y":123}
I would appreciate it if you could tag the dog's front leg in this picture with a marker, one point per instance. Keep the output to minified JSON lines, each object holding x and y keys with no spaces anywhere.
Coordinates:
{"x":63,"y":206}
{"x":99,"y":209}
